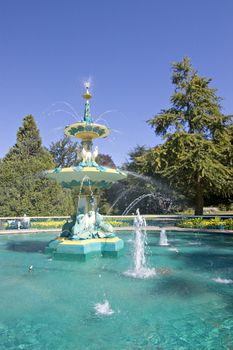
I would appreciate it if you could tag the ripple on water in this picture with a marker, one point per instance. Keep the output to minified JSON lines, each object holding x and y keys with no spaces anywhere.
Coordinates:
{"x":142,"y":273}
{"x":223,"y":280}
{"x":103,"y":309}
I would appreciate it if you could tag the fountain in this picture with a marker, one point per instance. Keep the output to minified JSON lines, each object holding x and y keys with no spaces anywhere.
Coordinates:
{"x":163,"y":238}
{"x":86,"y":233}
{"x":140,"y":267}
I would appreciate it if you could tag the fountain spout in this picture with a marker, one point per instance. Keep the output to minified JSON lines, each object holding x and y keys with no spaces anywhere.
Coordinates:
{"x":139,"y":220}
{"x":163,"y":238}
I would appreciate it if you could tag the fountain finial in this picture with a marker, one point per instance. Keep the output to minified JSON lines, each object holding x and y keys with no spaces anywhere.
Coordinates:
{"x":87,"y":96}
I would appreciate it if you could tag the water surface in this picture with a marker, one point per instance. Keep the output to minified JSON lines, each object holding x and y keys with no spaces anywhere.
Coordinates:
{"x":187,"y":305}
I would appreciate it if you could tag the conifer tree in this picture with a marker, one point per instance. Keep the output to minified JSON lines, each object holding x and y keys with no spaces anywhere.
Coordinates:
{"x":24,"y":187}
{"x":196,"y":156}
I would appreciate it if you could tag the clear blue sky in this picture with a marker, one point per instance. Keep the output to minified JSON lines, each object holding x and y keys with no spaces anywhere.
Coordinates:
{"x":48,"y":47}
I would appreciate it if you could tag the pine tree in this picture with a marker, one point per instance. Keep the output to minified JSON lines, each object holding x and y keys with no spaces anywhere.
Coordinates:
{"x":197,"y":155}
{"x":24,"y":187}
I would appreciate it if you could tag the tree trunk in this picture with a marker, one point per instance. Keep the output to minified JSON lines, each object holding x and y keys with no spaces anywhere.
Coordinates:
{"x":199,"y":201}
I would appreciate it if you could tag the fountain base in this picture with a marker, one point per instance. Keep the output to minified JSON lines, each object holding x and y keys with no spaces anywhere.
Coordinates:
{"x":62,"y":248}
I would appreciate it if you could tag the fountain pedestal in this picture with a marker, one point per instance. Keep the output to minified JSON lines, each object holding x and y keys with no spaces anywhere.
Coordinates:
{"x":82,"y":250}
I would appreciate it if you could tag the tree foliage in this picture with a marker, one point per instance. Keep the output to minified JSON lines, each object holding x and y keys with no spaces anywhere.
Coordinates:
{"x":24,"y":187}
{"x":196,"y":156}
{"x":64,"y":152}
{"x":105,"y":160}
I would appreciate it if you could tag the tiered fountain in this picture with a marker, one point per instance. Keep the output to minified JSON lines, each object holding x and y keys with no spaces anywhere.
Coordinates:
{"x":87,"y":233}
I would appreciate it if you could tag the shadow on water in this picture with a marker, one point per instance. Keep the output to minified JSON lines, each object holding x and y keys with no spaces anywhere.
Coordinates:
{"x":184,"y":288}
{"x":27,"y":246}
{"x":178,"y":286}
{"x":204,"y":260}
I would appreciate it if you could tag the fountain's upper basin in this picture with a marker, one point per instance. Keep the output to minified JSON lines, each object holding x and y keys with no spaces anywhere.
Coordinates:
{"x":86,"y":131}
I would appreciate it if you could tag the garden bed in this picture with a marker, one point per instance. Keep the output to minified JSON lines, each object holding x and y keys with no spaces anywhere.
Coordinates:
{"x":200,"y":223}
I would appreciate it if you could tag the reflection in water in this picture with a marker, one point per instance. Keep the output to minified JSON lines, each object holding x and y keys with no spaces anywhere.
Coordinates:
{"x":27,"y":246}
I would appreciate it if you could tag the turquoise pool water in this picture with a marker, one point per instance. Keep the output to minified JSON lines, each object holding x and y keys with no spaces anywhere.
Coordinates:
{"x":187,"y":305}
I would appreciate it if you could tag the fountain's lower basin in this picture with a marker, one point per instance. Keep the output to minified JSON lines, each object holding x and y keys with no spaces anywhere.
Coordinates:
{"x":86,"y":248}
{"x":62,"y":304}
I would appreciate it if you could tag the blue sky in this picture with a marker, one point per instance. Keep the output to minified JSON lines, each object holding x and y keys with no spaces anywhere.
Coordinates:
{"x":49,"y":47}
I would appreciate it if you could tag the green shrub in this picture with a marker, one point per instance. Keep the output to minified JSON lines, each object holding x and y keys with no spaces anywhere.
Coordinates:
{"x":115,"y":223}
{"x":58,"y":224}
{"x":215,"y":223}
{"x":48,"y":224}
{"x":228,"y":223}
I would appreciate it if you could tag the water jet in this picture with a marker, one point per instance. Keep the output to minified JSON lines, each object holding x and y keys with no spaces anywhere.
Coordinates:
{"x":140,"y":270}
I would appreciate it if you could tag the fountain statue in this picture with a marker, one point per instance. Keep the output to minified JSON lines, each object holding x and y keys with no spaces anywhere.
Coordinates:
{"x":86,"y":226}
{"x":87,"y":232}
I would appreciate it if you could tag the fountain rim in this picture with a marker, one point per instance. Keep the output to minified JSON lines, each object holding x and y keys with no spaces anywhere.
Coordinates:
{"x":71,"y":177}
{"x":89,"y":169}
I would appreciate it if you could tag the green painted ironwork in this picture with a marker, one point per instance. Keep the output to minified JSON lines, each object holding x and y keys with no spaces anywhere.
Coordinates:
{"x":87,"y":113}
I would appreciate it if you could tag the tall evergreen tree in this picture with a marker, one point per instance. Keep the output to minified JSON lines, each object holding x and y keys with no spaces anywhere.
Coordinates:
{"x":197,"y":155}
{"x":24,"y":187}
